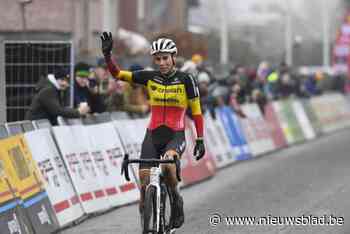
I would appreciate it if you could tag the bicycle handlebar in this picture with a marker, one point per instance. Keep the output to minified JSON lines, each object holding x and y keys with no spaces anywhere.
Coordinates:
{"x":127,"y":161}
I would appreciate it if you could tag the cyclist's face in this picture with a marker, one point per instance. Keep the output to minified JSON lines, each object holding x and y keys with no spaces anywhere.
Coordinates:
{"x":165,"y":62}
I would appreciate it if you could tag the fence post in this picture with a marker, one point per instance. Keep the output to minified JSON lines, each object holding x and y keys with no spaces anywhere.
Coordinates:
{"x":2,"y":82}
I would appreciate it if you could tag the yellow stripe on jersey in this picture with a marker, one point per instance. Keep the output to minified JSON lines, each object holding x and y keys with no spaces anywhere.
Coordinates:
{"x":195,"y":106}
{"x":125,"y":76}
{"x":167,"y":95}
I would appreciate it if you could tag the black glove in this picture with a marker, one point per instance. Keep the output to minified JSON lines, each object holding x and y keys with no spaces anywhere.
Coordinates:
{"x":107,"y":43}
{"x":199,"y":149}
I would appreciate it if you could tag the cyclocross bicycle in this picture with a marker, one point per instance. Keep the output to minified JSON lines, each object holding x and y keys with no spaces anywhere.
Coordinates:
{"x":157,"y":191}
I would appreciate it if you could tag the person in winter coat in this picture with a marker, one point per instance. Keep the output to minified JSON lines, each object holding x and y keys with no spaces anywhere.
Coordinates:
{"x":86,"y":91}
{"x":48,"y":102}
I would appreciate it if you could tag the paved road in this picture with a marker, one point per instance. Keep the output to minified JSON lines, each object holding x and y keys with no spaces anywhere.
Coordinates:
{"x":309,"y":179}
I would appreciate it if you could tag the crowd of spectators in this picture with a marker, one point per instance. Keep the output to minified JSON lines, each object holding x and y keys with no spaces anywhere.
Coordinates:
{"x":259,"y":85}
{"x":95,"y":91}
{"x":102,"y":93}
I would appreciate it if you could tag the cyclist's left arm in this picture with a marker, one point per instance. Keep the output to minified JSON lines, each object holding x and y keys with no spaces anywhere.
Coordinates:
{"x":194,"y":103}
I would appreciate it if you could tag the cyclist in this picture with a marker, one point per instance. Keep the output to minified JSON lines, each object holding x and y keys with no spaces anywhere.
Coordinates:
{"x":170,"y":93}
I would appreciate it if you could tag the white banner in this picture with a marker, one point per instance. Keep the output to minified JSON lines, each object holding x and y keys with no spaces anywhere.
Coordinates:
{"x":74,"y":145}
{"x":108,"y":154}
{"x":218,"y":142}
{"x":58,"y":184}
{"x":332,"y":110}
{"x":131,"y":138}
{"x":303,"y":120}
{"x":256,"y":130}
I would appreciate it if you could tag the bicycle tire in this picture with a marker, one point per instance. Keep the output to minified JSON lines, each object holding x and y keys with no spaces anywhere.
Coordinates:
{"x":150,"y":210}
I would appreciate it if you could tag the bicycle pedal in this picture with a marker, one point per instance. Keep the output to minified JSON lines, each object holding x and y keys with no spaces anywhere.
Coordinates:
{"x":172,"y":231}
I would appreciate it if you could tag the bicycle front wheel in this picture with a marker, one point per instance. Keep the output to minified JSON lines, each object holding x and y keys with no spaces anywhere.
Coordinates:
{"x":150,"y":211}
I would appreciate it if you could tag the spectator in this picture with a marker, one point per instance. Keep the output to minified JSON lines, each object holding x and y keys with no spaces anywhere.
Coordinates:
{"x":205,"y":99}
{"x":118,"y":98}
{"x":259,"y":98}
{"x":191,"y":66}
{"x":286,"y":85}
{"x":48,"y":101}
{"x":102,"y":76}
{"x":219,"y":95}
{"x":86,"y":91}
{"x":137,"y":94}
{"x":233,"y":100}
{"x":272,"y":85}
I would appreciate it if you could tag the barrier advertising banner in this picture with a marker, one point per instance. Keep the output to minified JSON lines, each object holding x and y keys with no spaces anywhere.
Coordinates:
{"x":108,"y":154}
{"x":288,"y":121}
{"x":27,"y":180}
{"x":217,"y":142}
{"x":131,"y":141}
{"x":234,"y":132}
{"x":316,"y":125}
{"x":81,"y":168}
{"x":332,"y":111}
{"x":303,"y":120}
{"x":275,"y":127}
{"x":56,"y":179}
{"x":256,"y":130}
{"x":12,"y":216}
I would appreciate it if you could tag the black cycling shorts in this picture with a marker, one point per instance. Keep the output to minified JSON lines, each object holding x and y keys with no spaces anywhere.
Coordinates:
{"x":160,"y":140}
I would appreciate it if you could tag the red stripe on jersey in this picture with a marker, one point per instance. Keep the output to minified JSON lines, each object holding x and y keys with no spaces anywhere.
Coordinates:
{"x":170,"y":116}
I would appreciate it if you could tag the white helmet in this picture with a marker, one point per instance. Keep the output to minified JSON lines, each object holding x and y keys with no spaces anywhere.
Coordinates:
{"x":163,"y":45}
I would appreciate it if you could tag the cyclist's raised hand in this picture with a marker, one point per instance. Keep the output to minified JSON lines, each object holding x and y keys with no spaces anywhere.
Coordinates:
{"x":107,"y":43}
{"x":199,"y":149}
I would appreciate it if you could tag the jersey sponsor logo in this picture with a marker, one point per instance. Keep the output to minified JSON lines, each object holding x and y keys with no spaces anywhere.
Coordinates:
{"x":167,"y":100}
{"x":170,"y":90}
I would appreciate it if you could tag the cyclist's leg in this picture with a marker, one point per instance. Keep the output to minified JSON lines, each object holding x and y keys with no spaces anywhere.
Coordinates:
{"x":175,"y":148}
{"x":148,"y":150}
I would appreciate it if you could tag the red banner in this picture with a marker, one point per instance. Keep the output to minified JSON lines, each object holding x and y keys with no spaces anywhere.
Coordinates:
{"x":276,"y":130}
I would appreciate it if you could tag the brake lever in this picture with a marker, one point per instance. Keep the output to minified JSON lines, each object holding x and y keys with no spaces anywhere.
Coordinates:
{"x":125,"y":167}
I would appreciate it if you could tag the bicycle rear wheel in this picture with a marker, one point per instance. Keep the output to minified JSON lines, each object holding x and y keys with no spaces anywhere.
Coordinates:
{"x":150,"y":211}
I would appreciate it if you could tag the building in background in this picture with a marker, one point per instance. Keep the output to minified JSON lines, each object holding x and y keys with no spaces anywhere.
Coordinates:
{"x":82,"y":20}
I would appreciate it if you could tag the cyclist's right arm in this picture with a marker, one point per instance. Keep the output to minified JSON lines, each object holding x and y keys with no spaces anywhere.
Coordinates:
{"x":116,"y":72}
{"x":140,"y":77}
{"x":137,"y":77}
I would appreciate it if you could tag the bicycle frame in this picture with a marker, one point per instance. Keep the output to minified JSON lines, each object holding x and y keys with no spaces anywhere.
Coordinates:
{"x":155,"y":176}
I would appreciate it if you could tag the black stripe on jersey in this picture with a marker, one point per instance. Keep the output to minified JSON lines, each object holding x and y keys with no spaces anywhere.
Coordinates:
{"x":195,"y":88}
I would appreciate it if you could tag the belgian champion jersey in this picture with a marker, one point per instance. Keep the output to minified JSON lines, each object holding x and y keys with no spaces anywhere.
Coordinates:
{"x":169,"y":96}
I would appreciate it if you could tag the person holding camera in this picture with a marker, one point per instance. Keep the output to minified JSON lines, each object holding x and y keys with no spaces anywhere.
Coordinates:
{"x":86,"y":91}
